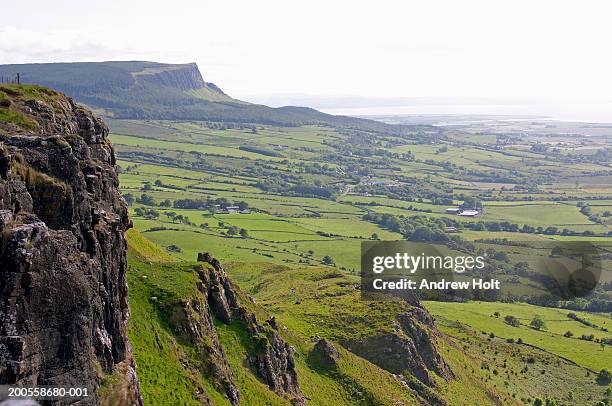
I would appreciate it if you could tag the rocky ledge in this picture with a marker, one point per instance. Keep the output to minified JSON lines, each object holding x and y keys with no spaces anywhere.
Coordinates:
{"x":270,"y":357}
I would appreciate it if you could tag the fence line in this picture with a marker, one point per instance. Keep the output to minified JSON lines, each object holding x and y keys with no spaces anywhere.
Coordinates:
{"x":11,"y":79}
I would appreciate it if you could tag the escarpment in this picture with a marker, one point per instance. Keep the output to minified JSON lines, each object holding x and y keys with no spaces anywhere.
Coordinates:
{"x":412,"y":347}
{"x":183,"y":77}
{"x":63,"y":291}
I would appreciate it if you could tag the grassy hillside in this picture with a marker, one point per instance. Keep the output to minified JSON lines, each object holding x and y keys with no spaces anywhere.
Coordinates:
{"x":168,"y":368}
{"x":321,"y":303}
{"x":480,"y":316}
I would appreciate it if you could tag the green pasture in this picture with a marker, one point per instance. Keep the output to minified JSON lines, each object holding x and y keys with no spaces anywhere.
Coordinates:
{"x":479,"y":315}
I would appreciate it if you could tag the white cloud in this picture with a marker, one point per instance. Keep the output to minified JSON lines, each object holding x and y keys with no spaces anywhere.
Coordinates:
{"x":19,"y":45}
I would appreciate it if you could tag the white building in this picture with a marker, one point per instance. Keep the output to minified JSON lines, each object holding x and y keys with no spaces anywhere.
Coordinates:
{"x":469,"y":213}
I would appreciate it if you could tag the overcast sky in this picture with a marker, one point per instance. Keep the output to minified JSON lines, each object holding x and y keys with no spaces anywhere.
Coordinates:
{"x":534,"y":49}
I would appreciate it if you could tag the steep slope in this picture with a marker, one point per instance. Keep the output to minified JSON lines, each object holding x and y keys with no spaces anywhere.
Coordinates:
{"x":63,"y":291}
{"x":150,"y":90}
{"x":199,"y":303}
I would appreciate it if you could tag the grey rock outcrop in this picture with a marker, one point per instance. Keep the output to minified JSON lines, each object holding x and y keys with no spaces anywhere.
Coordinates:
{"x":192,"y":322}
{"x":327,"y":352}
{"x":412,"y":347}
{"x":184,"y":77}
{"x":272,"y":358}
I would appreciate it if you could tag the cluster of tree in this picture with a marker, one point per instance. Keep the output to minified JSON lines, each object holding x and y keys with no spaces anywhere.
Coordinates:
{"x":149,"y":200}
{"x":538,"y":323}
{"x":546,"y":402}
{"x":158,"y":182}
{"x":327,"y":260}
{"x":525,"y":228}
{"x":602,"y":155}
{"x":146,"y":200}
{"x":127,"y":168}
{"x":260,"y":150}
{"x":591,"y":337}
{"x":539,"y":148}
{"x":146,"y":213}
{"x":551,"y":198}
{"x":312,"y":191}
{"x":442,"y":201}
{"x":604,"y":377}
{"x":471,"y":202}
{"x":313,"y":168}
{"x":410,"y":207}
{"x":512,"y":321}
{"x":585,"y":209}
{"x":416,"y":228}
{"x":291,"y":184}
{"x":584,"y":321}
{"x":179,"y":218}
{"x":228,"y":126}
{"x":129,"y":198}
{"x":233,"y":230}
{"x":591,"y":303}
{"x":410,"y":190}
{"x":502,"y":241}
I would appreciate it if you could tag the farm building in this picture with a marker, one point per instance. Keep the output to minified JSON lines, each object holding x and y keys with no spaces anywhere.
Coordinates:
{"x":453,"y":210}
{"x":230,"y":209}
{"x":469,"y":213}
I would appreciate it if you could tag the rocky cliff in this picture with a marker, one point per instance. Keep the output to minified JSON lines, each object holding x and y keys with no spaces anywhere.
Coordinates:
{"x":183,"y":77}
{"x":63,"y":291}
{"x":411,"y":347}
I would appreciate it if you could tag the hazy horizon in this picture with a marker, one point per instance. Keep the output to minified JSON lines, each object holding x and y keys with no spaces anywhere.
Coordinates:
{"x":353,"y":105}
{"x":472,"y":49}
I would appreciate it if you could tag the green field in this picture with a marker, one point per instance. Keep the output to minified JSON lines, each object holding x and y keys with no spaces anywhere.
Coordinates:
{"x":307,"y":194}
{"x":176,"y":160}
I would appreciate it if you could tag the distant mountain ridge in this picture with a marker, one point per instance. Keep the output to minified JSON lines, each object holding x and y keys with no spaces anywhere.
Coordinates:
{"x":151,"y":90}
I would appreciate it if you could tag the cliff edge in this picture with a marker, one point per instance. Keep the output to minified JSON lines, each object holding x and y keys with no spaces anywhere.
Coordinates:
{"x":63,"y":291}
